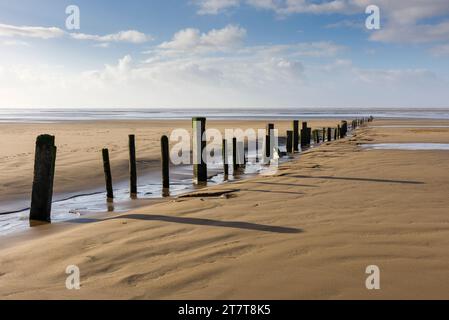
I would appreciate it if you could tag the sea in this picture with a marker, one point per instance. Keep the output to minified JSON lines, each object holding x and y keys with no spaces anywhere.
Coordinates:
{"x":49,"y":115}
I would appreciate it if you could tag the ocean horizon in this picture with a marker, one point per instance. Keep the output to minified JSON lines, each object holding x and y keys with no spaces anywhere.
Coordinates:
{"x":44,"y":115}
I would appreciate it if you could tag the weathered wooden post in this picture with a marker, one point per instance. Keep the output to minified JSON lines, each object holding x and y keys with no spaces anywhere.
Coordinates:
{"x":224,"y":154}
{"x":268,"y":147}
{"x":257,"y":149}
{"x":199,"y":165}
{"x":338,"y":132}
{"x":241,"y":154}
{"x":329,"y":134}
{"x":304,"y":134}
{"x":245,"y":149}
{"x":108,"y":175}
{"x":295,"y":134}
{"x":132,"y":166}
{"x":335,"y":133}
{"x":324,"y":134}
{"x":344,"y":128}
{"x":235,"y":165}
{"x":44,"y":172}
{"x":290,"y":142}
{"x":165,"y":157}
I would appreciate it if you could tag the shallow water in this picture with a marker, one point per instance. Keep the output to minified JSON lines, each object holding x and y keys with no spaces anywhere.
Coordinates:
{"x":411,"y":127}
{"x":407,"y":146}
{"x":74,"y":206}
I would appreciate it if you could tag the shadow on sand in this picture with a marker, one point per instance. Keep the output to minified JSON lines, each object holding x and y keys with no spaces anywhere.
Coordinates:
{"x":197,"y":221}
{"x":358,"y":179}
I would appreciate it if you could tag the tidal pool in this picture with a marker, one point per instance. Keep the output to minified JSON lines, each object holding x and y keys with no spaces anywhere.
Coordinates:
{"x":406,"y":146}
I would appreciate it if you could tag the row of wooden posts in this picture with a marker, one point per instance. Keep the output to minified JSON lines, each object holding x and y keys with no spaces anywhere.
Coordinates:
{"x":45,"y":159}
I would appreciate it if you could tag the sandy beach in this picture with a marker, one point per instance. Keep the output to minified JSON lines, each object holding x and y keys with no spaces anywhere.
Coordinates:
{"x":309,"y":232}
{"x":79,"y":164}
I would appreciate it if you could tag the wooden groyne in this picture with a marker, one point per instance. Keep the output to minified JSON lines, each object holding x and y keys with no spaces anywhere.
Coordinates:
{"x":296,"y":140}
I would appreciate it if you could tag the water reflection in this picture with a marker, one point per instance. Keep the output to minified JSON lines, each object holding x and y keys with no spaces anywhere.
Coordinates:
{"x":70,"y":206}
{"x":406,"y":146}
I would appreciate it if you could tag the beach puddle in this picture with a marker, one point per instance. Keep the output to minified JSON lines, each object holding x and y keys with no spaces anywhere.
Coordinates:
{"x":407,"y":146}
{"x":68,"y":207}
{"x":412,"y":126}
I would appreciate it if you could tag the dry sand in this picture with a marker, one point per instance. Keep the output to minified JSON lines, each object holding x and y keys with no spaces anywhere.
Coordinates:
{"x":307,"y":233}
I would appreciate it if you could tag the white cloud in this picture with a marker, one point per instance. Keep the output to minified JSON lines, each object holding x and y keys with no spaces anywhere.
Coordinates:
{"x":30,"y":32}
{"x":346,"y":24}
{"x":215,"y":6}
{"x":402,"y":21}
{"x":413,"y":33}
{"x":45,"y":33}
{"x":273,"y":77}
{"x":281,"y":7}
{"x":192,"y":40}
{"x":319,"y":49}
{"x":15,"y":43}
{"x":102,"y":45}
{"x":301,"y":6}
{"x":440,"y":50}
{"x":396,"y":77}
{"x":130,"y":36}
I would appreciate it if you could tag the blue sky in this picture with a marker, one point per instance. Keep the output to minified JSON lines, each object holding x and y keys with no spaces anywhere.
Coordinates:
{"x":224,"y":53}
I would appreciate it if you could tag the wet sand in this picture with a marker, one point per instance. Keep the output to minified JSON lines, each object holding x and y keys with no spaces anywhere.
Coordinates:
{"x":308,"y":232}
{"x":79,"y":166}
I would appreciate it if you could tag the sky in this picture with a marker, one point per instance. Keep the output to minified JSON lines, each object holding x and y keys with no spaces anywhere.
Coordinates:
{"x":224,"y":54}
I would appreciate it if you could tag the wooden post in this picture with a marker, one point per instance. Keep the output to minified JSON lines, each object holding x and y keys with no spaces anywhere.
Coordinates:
{"x":309,"y":135}
{"x":304,"y":134}
{"x":108,"y":175}
{"x":224,"y":154}
{"x":235,"y":165}
{"x":270,"y":133}
{"x":335,"y":133}
{"x":344,"y":129}
{"x":257,"y":149}
{"x":267,"y":147}
{"x":245,"y":148}
{"x":132,"y":166}
{"x":329,"y":134}
{"x":165,"y":156}
{"x":338,"y":132}
{"x":295,"y":134}
{"x":240,"y":154}
{"x":290,"y":142}
{"x":199,"y":165}
{"x":44,"y":172}
{"x":324,"y":134}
